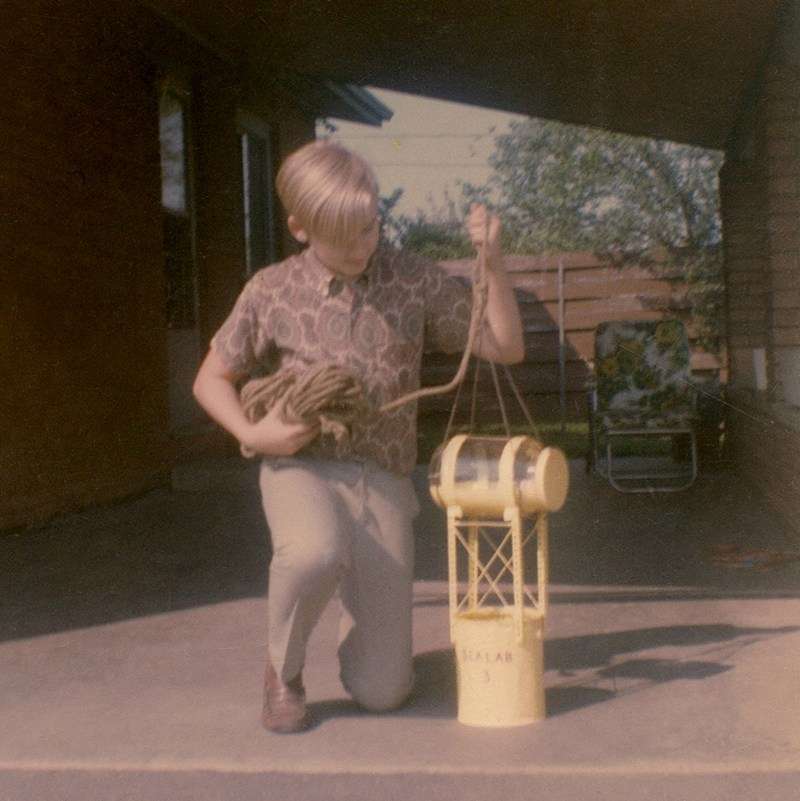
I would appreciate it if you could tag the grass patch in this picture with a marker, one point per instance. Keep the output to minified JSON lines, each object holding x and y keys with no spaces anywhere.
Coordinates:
{"x":572,"y":438}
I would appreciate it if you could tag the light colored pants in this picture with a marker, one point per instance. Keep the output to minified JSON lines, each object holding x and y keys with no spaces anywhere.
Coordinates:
{"x":345,"y":525}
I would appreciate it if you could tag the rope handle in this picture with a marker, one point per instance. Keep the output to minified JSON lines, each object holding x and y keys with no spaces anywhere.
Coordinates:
{"x":480,"y":295}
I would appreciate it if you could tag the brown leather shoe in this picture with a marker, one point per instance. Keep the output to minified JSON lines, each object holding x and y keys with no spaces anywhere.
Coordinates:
{"x":284,"y":704}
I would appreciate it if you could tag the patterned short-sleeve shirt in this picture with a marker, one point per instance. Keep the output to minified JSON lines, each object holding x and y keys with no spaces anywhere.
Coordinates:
{"x":297,"y":313}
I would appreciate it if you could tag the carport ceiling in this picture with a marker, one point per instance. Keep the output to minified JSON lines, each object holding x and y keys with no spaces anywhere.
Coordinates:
{"x":676,"y":69}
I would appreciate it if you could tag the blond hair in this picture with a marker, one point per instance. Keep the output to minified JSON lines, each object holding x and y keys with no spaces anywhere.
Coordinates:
{"x":331,"y":192}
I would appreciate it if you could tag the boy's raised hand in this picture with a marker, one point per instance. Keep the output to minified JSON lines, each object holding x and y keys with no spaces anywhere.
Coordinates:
{"x":274,"y":436}
{"x":477,"y":220}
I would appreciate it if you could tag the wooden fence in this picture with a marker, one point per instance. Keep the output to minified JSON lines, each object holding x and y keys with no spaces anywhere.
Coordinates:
{"x":562,"y":298}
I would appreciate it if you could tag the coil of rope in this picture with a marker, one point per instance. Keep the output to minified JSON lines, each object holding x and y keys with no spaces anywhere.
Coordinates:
{"x":330,"y":395}
{"x":325,"y":394}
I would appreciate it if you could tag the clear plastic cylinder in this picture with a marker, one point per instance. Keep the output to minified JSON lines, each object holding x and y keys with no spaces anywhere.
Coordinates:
{"x":483,"y":476}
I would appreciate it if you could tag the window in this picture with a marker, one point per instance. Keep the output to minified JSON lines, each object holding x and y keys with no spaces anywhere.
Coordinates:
{"x":177,"y":205}
{"x":259,"y":193}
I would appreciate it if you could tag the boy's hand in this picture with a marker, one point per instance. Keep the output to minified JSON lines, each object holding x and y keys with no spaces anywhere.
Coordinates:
{"x":273,"y":436}
{"x":477,"y":228}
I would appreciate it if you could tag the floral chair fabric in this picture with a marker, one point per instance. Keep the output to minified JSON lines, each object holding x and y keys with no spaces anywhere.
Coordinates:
{"x":642,"y":375}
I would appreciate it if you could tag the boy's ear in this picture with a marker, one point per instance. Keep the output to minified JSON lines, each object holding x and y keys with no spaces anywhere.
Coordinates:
{"x":296,"y":230}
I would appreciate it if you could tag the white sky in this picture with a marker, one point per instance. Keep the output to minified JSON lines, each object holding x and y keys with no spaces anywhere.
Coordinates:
{"x":427,"y":146}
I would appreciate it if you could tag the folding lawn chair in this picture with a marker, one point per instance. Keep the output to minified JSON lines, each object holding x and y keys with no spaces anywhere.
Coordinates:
{"x":643,"y":391}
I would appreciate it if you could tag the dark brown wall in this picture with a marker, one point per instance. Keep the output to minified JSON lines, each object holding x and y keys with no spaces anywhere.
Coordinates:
{"x":82,"y":326}
{"x":82,"y":310}
{"x":760,"y":190}
{"x":220,"y":249}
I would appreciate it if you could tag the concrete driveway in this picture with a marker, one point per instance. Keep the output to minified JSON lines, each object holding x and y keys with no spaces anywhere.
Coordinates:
{"x":132,"y":643}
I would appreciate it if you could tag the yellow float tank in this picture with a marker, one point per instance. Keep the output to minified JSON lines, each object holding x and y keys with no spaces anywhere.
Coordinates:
{"x":489,"y":486}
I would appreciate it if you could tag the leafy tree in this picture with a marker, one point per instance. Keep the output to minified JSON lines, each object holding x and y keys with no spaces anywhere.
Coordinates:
{"x":437,"y":234}
{"x":566,"y":187}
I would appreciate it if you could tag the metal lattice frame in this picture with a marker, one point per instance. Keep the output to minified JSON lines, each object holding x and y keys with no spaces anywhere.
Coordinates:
{"x":494,"y":550}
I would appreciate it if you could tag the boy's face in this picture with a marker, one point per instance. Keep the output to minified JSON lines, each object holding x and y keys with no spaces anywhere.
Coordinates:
{"x":350,"y":260}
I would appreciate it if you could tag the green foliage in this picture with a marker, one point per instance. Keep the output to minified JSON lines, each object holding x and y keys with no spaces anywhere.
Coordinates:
{"x":386,"y":211}
{"x":572,"y":437}
{"x":563,"y":187}
{"x":436,"y":239}
{"x":439,"y":234}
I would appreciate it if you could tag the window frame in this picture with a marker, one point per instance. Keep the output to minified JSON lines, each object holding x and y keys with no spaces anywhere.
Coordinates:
{"x":250,"y":127}
{"x":180,"y":88}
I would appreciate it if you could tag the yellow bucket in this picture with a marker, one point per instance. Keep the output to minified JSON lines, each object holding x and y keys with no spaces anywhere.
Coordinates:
{"x":500,"y":678}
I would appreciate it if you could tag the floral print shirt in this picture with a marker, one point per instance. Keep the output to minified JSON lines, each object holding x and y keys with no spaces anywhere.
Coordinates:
{"x":296,"y":313}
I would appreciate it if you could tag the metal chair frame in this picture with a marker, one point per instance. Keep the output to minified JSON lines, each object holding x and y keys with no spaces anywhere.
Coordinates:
{"x":618,"y":479}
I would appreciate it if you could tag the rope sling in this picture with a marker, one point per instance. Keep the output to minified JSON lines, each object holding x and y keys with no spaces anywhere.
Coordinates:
{"x":332,"y":397}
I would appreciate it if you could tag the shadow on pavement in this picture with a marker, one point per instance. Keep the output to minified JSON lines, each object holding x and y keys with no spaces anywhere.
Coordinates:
{"x":206,"y":542}
{"x":161,"y":552}
{"x":597,"y":650}
{"x":435,"y":694}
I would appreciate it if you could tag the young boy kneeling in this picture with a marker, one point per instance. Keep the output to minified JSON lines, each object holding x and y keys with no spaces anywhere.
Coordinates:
{"x":340,"y":512}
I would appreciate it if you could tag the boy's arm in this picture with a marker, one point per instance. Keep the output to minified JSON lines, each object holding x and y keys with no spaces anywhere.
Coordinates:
{"x":501,"y":339}
{"x":215,"y":390}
